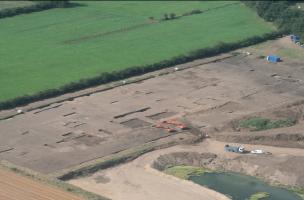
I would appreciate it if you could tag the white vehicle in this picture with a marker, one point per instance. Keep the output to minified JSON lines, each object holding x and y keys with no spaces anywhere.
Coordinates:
{"x":257,"y":151}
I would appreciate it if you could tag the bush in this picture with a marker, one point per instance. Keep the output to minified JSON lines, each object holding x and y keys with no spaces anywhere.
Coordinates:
{"x":166,"y":17}
{"x":172,"y":16}
{"x":193,"y":12}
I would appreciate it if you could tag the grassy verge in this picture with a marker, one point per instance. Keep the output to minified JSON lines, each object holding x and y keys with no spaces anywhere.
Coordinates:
{"x":184,"y":172}
{"x":259,"y":123}
{"x":259,"y":196}
{"x":299,"y":191}
{"x":293,"y":53}
{"x":51,"y":181}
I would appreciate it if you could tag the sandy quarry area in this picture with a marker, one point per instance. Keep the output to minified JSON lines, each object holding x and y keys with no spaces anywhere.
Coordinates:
{"x":208,"y":96}
{"x":16,"y":187}
{"x":138,"y":180}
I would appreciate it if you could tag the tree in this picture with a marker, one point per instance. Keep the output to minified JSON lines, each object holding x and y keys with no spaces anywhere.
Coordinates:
{"x":281,"y":13}
{"x":172,"y":16}
{"x":166,"y":17}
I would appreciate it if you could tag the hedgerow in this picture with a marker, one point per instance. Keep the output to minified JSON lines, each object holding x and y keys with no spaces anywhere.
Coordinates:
{"x":38,"y":6}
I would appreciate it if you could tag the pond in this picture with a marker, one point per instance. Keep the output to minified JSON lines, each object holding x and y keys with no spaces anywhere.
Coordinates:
{"x":241,"y":187}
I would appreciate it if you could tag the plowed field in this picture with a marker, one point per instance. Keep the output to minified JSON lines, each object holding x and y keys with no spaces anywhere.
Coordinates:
{"x":16,"y":187}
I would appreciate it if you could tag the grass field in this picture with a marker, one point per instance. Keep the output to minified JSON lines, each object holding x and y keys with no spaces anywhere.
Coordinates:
{"x":48,"y":49}
{"x":259,"y":124}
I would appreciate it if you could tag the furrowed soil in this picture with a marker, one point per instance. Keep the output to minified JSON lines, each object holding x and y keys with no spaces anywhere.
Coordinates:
{"x":17,"y":187}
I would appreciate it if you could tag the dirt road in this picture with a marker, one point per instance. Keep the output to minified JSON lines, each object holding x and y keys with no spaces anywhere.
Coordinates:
{"x":16,"y":187}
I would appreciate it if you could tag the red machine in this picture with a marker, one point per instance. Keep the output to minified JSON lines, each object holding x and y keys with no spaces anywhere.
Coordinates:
{"x":176,"y":123}
{"x":166,"y":125}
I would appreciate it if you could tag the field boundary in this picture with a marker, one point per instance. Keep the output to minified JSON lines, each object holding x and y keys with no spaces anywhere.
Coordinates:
{"x":6,"y":114}
{"x":88,"y":37}
{"x":50,"y":181}
{"x":130,"y":28}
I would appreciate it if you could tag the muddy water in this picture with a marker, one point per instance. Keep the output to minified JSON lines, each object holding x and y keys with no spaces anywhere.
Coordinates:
{"x":241,"y":187}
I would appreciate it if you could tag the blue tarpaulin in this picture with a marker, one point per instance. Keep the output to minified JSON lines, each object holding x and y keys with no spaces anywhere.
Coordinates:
{"x":273,"y":58}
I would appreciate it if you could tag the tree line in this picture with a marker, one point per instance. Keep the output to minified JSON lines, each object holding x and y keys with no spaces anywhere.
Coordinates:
{"x":284,"y":14}
{"x":37,"y":6}
{"x":137,"y":70}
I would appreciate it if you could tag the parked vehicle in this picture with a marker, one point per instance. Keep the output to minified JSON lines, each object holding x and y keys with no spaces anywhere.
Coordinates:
{"x":235,"y":149}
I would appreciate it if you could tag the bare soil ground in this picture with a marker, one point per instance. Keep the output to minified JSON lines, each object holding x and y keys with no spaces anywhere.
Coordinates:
{"x":208,"y":96}
{"x":222,"y":94}
{"x":16,"y":187}
{"x":211,"y":98}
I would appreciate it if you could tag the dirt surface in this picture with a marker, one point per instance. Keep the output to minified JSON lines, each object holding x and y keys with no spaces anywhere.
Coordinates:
{"x":139,"y":180}
{"x":208,"y":97}
{"x":16,"y":187}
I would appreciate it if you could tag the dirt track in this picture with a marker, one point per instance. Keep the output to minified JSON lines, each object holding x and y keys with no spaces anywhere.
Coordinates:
{"x":16,"y":187}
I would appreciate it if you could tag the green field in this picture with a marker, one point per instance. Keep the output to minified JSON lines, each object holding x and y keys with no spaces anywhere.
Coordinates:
{"x":48,"y":49}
